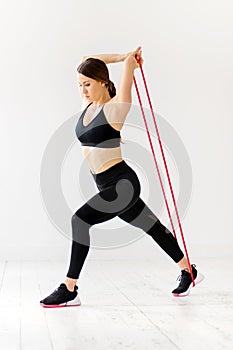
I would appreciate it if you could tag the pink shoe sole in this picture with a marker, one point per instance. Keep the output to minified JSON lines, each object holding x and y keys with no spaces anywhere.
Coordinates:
{"x":59,"y":305}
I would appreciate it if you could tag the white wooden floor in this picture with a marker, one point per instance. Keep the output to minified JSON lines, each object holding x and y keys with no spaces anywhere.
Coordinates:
{"x":125,"y":305}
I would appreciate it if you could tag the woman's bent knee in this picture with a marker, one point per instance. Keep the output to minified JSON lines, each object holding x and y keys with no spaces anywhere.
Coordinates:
{"x":80,"y":230}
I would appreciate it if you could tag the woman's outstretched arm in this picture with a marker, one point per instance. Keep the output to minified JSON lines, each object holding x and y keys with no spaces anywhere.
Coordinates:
{"x":108,"y":58}
{"x":111,"y":57}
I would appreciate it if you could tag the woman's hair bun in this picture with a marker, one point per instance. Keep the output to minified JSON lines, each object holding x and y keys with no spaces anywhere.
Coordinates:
{"x":111,"y":88}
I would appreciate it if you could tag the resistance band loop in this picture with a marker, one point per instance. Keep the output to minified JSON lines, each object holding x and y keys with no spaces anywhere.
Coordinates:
{"x":165,"y":164}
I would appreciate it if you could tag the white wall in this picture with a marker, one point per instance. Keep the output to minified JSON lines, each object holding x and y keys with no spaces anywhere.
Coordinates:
{"x":188,"y":54}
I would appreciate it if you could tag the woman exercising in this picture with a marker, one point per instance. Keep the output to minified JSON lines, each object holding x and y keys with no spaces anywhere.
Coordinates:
{"x":98,"y":130}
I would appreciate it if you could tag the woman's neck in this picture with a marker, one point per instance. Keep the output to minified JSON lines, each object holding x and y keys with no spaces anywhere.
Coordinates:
{"x":101,"y":102}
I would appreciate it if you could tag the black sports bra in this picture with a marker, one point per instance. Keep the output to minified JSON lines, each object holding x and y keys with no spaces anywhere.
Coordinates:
{"x":98,"y":133}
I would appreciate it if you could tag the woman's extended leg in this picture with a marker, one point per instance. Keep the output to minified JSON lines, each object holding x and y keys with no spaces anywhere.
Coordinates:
{"x":140,"y":215}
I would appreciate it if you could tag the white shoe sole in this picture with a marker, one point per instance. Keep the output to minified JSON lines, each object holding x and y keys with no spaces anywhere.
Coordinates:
{"x":200,"y":277}
{"x":75,"y":302}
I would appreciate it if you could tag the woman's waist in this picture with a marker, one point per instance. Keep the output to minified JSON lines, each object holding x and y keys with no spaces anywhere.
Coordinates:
{"x":120,"y":170}
{"x":106,"y":166}
{"x":100,"y":160}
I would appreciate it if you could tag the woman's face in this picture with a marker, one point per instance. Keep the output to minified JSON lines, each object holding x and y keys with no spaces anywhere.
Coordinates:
{"x":91,"y":90}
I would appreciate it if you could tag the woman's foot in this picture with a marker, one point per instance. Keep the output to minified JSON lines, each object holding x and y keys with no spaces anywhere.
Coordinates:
{"x":62,"y":297}
{"x":186,"y":283}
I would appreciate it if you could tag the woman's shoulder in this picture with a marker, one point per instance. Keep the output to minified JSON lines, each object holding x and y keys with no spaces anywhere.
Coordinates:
{"x":115,"y":112}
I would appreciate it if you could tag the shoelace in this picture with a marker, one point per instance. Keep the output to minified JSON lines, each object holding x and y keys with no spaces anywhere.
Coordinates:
{"x":184,"y":280}
{"x":180,"y":276}
{"x":57,"y":290}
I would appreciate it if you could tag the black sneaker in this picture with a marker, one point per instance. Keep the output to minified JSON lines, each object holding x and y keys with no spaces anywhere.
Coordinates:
{"x":186,"y":283}
{"x":62,"y":297}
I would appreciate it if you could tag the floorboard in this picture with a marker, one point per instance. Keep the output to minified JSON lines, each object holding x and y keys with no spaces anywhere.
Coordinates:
{"x":125,"y":305}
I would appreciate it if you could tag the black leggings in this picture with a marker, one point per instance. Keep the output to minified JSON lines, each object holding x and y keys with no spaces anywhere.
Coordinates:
{"x":119,"y":195}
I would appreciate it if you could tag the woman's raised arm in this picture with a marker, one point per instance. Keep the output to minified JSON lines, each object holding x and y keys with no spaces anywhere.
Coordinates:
{"x":120,"y":105}
{"x":124,"y":94}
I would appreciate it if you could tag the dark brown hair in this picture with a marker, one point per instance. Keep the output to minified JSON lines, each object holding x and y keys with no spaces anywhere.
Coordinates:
{"x":97,"y":69}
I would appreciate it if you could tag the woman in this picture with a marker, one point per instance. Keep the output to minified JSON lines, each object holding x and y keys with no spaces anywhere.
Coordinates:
{"x":98,"y":130}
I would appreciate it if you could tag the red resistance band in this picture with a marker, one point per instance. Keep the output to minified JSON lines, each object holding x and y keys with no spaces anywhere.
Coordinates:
{"x":165,"y":164}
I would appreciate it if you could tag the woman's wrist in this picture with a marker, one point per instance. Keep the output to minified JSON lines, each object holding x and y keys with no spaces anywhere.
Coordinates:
{"x":123,"y":56}
{"x":130,"y":61}
{"x":118,"y":57}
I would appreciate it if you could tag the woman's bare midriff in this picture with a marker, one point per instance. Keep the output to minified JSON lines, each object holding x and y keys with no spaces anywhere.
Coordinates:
{"x":100,"y":159}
